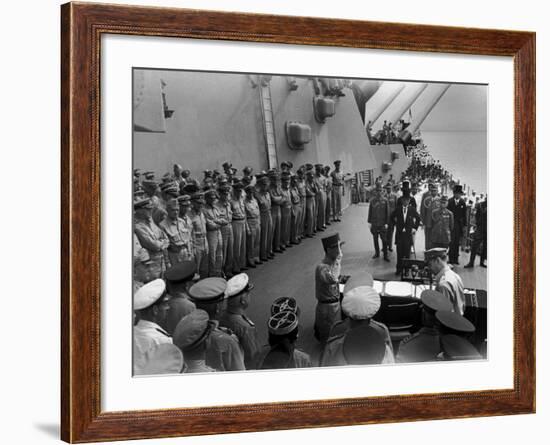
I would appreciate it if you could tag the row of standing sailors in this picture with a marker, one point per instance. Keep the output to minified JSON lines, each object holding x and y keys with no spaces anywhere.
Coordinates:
{"x":230,"y":224}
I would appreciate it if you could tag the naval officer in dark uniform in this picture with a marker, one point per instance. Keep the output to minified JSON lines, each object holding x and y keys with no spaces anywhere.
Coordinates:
{"x":425,"y":345}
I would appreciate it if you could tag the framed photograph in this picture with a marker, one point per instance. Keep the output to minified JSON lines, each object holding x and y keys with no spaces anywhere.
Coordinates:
{"x":275,"y":222}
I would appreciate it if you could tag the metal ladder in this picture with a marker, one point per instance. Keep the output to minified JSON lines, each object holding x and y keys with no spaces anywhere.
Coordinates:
{"x":269,"y":125}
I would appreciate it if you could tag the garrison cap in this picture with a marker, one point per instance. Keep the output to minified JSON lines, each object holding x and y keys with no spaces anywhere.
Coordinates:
{"x":331,"y":241}
{"x":165,"y":358}
{"x":435,"y":300}
{"x":180,"y":272}
{"x":361,"y":303}
{"x":458,"y":348}
{"x":149,"y":293}
{"x":455,"y":322}
{"x":436,"y":252}
{"x":283,"y":304}
{"x":282,"y":323}
{"x":192,"y":330}
{"x":237,"y":284}
{"x":208,"y":290}
{"x":364,"y":345}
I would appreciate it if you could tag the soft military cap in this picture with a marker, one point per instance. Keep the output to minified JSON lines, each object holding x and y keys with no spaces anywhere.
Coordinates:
{"x":332,"y":241}
{"x":435,"y":301}
{"x":455,"y":322}
{"x":192,"y":330}
{"x":361,"y":303}
{"x":183,"y":271}
{"x":208,"y":290}
{"x":237,"y":284}
{"x":149,"y":293}
{"x":458,"y":348}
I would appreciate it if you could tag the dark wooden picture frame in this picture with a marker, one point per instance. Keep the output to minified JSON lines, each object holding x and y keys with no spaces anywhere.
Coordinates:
{"x":82,"y":26}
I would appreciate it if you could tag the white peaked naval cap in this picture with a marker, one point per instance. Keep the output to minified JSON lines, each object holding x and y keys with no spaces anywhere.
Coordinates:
{"x":361,"y":302}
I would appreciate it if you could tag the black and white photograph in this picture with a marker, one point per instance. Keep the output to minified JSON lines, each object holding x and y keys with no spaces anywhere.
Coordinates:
{"x":285,"y":221}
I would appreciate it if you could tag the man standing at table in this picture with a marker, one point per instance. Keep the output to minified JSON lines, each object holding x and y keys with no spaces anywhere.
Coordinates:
{"x":406,"y":220}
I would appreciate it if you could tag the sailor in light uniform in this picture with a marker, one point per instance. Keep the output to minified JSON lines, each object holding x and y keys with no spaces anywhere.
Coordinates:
{"x":234,"y":317}
{"x":425,"y":345}
{"x":151,"y":306}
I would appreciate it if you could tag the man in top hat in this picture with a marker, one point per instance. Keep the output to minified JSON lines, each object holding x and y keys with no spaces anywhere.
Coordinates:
{"x":379,"y":219}
{"x":327,"y":291}
{"x":329,"y":208}
{"x":234,"y":317}
{"x":296,"y":210}
{"x":253,"y":227}
{"x":266,"y":223}
{"x":457,"y":206}
{"x":446,"y":280}
{"x":281,"y":353}
{"x":406,"y":220}
{"x":337,"y":190}
{"x":226,"y":213}
{"x":214,"y":221}
{"x":391,"y":196}
{"x":192,"y":336}
{"x":223,"y":351}
{"x":199,"y":232}
{"x":359,"y":305}
{"x":286,"y":209}
{"x":431,"y":202}
{"x":151,"y":237}
{"x":151,"y":307}
{"x":239,"y":226}
{"x":179,"y":234}
{"x":425,"y":345}
{"x":311,"y":192}
{"x":320,"y":197}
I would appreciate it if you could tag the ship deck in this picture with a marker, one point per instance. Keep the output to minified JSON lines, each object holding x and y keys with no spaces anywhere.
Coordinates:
{"x":292,"y":273}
